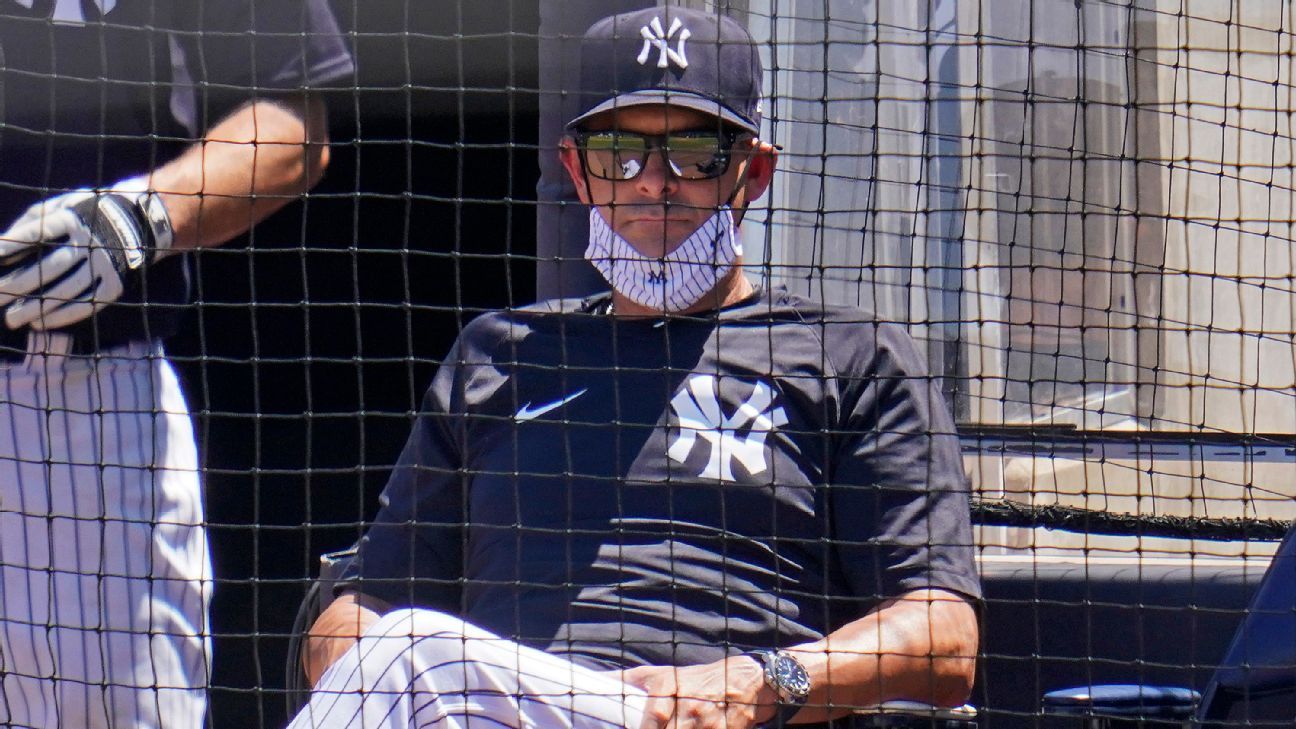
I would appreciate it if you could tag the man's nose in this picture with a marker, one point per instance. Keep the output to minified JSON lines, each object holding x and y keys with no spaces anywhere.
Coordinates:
{"x":658,"y":180}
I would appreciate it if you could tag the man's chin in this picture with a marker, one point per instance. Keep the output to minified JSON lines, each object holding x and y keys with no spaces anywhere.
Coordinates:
{"x":655,"y":238}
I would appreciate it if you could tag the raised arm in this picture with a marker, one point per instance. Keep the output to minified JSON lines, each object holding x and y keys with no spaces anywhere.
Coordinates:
{"x":76,"y":253}
{"x":247,"y":166}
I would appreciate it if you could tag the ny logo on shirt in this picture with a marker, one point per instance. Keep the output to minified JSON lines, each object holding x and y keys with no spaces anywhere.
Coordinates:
{"x":72,"y":11}
{"x":656,"y":37}
{"x":697,"y":406}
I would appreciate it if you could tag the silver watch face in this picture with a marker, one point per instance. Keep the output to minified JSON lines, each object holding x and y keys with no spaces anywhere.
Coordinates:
{"x":791,"y":676}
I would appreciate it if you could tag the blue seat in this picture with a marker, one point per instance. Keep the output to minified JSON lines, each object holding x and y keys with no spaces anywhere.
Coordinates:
{"x":1254,"y":684}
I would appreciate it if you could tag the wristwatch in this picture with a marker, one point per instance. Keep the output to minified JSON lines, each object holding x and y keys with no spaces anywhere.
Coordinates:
{"x":790,"y":682}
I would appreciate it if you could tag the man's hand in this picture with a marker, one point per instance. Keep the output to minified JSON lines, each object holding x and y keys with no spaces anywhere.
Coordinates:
{"x":70,"y":256}
{"x":728,"y":694}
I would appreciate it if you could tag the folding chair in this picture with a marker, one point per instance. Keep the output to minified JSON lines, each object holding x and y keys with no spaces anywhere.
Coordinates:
{"x":915,"y":715}
{"x":317,"y":598}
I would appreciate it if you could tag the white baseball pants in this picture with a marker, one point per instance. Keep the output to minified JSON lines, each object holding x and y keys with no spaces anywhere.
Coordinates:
{"x":421,"y":668}
{"x":105,"y":577}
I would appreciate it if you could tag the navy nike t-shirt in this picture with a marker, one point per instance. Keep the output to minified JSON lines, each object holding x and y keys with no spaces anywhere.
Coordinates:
{"x":665,"y":492}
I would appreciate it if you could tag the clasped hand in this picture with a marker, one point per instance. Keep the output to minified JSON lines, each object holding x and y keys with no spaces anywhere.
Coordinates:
{"x":68,"y":257}
{"x":727,"y":694}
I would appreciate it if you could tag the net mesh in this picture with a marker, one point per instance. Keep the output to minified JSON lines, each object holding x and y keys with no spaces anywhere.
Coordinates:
{"x":1080,"y":210}
{"x":1040,"y":191}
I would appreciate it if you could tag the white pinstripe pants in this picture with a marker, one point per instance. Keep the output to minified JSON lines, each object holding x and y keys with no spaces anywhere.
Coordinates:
{"x":421,"y":668}
{"x":104,"y":573}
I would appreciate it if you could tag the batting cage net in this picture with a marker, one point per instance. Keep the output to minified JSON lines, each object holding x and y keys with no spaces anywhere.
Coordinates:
{"x":269,"y":279}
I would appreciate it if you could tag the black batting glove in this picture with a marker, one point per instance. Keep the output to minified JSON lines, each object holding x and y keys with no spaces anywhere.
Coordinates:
{"x":69,"y":257}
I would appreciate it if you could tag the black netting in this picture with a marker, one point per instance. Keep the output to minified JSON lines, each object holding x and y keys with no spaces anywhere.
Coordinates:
{"x":1064,"y":224}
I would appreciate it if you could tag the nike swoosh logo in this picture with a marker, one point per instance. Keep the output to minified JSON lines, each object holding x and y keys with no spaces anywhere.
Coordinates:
{"x":526,"y":413}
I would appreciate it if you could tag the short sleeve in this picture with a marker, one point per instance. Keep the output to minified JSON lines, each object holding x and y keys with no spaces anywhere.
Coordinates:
{"x":412,"y":552}
{"x":899,"y":495}
{"x":227,"y":52}
{"x":281,"y":45}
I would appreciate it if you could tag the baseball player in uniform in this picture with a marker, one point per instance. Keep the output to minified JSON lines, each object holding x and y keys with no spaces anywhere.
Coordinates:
{"x":689,"y":502}
{"x":133,"y":131}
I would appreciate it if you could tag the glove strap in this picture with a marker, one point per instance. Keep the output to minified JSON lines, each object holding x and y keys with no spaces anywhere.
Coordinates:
{"x":159,"y":222}
{"x":153,"y":212}
{"x":119,"y":222}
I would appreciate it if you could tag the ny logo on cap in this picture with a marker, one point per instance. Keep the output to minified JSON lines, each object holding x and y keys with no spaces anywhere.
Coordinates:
{"x":653,"y":35}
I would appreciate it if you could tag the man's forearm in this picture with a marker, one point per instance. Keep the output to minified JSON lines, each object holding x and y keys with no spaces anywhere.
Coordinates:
{"x":250,"y":164}
{"x":337,"y":629}
{"x":921,"y":646}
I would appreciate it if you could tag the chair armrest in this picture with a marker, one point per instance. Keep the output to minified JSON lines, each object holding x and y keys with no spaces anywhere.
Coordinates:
{"x":900,"y":714}
{"x":317,"y":598}
{"x":1123,"y":701}
{"x":332,"y":565}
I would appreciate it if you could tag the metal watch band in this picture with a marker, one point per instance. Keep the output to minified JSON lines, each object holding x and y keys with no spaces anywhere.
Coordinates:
{"x":790,"y":700}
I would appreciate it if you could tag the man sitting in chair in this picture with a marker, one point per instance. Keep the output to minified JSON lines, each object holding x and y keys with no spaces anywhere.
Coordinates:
{"x":689,"y":502}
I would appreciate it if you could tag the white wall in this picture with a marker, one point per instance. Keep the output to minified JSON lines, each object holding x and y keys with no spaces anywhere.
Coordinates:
{"x":1125,"y":201}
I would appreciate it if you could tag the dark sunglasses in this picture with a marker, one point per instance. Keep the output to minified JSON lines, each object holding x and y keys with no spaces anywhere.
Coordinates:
{"x":617,"y":155}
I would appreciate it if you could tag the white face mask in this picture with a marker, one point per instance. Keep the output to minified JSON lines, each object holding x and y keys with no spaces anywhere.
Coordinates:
{"x":676,"y":281}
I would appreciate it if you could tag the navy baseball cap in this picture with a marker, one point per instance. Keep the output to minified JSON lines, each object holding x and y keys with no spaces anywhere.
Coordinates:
{"x":671,"y":55}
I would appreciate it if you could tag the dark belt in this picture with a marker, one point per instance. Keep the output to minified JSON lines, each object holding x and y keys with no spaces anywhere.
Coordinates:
{"x":13,"y":345}
{"x":128,"y":320}
{"x":109,"y":330}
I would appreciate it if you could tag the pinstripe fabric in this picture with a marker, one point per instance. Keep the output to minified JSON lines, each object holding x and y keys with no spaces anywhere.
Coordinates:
{"x":104,"y":574}
{"x":422,"y":668}
{"x":678,"y":280}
